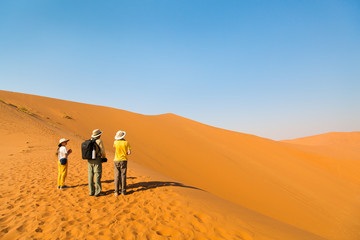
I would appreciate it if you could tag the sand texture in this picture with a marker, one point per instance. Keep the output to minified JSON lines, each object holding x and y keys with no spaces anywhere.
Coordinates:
{"x":186,"y":180}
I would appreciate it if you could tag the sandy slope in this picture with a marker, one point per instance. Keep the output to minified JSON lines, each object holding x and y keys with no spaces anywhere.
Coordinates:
{"x":156,"y":208}
{"x":338,"y":153}
{"x":272,"y":178}
{"x":334,"y":144}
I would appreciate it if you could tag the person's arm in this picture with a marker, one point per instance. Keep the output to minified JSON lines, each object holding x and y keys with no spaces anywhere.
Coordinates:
{"x":68,"y":153}
{"x":128,"y":149}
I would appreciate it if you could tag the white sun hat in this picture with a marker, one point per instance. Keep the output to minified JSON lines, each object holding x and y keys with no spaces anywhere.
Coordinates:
{"x":63,"y":140}
{"x":120,"y":135}
{"x":96,"y":133}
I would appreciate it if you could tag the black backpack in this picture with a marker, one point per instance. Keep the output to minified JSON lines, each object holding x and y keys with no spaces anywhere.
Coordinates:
{"x":87,"y":148}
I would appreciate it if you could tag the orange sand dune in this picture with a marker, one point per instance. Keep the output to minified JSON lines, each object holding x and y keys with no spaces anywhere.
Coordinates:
{"x":337,"y":153}
{"x":274,"y":179}
{"x":335,"y":144}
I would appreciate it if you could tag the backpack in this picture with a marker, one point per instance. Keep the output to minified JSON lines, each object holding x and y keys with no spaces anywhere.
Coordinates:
{"x":87,"y":148}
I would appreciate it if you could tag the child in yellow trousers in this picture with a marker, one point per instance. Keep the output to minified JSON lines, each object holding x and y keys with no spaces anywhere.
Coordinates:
{"x":63,"y":154}
{"x":62,"y":175}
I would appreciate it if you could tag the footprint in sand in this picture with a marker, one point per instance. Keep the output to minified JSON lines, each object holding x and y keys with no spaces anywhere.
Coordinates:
{"x":199,"y":227}
{"x":200,"y":223}
{"x":20,"y":198}
{"x":245,"y":236}
{"x":20,"y":228}
{"x":126,"y":211}
{"x":223,"y":234}
{"x":202,"y":218}
{"x":174,"y":203}
{"x":10,"y":207}
{"x":176,"y":215}
{"x":5,"y":230}
{"x":167,"y":231}
{"x":146,"y":210}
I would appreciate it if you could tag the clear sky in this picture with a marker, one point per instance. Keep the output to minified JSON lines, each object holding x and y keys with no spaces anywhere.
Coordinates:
{"x":276,"y":69}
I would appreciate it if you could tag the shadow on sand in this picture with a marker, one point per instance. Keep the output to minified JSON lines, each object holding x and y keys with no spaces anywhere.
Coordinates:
{"x":143,"y":186}
{"x":140,"y":186}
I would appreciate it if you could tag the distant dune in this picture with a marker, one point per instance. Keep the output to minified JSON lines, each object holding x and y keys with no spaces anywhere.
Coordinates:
{"x":337,"y":153}
{"x":334,"y":144}
{"x":256,"y":188}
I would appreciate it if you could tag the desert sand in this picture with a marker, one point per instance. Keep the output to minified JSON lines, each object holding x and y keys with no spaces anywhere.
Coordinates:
{"x":186,"y":180}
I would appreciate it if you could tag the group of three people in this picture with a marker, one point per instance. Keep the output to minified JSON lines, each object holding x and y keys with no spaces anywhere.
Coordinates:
{"x":122,"y":149}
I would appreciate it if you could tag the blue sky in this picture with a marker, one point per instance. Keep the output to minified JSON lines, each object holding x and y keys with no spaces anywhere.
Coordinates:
{"x":276,"y":69}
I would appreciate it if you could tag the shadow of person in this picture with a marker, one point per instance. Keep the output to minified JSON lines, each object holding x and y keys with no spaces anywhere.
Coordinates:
{"x":143,"y":186}
{"x":107,"y":181}
{"x":79,"y":185}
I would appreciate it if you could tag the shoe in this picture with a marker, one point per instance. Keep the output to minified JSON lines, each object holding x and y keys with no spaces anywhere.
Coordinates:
{"x":97,"y":195}
{"x":58,"y":187}
{"x":123,"y":193}
{"x":91,"y":194}
{"x":116,"y":194}
{"x":64,"y":187}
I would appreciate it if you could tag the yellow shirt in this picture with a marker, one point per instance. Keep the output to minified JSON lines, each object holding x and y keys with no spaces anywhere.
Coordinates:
{"x":121,"y":150}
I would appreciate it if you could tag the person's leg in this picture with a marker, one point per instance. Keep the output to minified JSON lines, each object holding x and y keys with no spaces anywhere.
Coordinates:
{"x":117,"y":176}
{"x":123,"y":176}
{"x":64,"y":173}
{"x":97,"y":175}
{"x":91,"y":178}
{"x":59,"y":174}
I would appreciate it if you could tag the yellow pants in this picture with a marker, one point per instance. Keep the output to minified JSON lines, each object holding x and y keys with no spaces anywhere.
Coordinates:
{"x":62,"y":174}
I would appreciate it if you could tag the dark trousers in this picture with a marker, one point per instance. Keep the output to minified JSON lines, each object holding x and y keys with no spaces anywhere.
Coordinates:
{"x":120,"y":168}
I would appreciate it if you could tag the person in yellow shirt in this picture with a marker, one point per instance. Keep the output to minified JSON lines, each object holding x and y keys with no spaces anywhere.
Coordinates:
{"x":122,"y":149}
